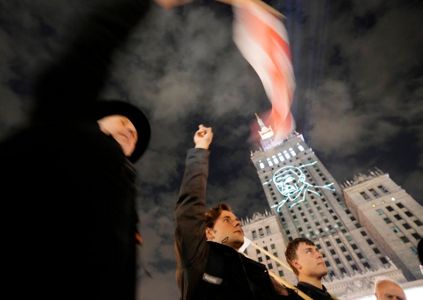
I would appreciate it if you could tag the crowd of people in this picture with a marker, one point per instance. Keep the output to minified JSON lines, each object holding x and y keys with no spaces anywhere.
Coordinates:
{"x":69,"y":190}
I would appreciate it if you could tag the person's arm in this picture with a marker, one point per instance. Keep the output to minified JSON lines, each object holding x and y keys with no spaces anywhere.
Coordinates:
{"x":190,"y":207}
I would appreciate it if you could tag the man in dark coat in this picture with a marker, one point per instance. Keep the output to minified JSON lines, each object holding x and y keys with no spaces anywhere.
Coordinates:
{"x":208,"y":263}
{"x":67,"y":178}
{"x":307,"y":263}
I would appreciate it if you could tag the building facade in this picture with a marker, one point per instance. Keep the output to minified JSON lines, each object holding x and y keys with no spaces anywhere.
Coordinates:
{"x":265,"y":230}
{"x":392,"y":217}
{"x":308,"y":202}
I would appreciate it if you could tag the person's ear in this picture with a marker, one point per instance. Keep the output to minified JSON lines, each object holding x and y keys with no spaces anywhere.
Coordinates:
{"x":209,"y":234}
{"x":296,"y":264}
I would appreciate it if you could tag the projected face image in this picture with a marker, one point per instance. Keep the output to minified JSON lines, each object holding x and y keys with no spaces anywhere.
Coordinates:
{"x":291,"y":183}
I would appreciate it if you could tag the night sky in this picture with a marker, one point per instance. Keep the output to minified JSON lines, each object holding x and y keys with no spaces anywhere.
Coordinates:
{"x":358,"y":98}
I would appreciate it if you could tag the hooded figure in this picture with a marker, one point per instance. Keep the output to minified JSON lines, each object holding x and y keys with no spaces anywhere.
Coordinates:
{"x":68,"y":181}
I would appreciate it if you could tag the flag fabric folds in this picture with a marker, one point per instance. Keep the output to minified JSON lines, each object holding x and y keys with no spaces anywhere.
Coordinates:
{"x":262,"y":39}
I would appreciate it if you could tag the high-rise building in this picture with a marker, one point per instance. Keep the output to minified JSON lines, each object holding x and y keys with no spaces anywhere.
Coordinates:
{"x":265,"y":230}
{"x":392,"y":217}
{"x":309,"y":202}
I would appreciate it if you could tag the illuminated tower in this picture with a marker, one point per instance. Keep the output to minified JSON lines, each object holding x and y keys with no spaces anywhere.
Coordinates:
{"x":309,"y":203}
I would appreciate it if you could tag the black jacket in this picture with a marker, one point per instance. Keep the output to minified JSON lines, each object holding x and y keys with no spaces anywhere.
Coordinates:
{"x":208,"y":270}
{"x":66,"y":188}
{"x":314,"y":292}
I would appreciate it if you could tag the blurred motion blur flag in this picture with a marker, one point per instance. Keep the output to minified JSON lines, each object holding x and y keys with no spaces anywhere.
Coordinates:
{"x":262,"y":39}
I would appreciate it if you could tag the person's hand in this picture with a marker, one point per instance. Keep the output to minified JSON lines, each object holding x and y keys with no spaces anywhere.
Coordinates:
{"x":203,"y":137}
{"x":168,"y":4}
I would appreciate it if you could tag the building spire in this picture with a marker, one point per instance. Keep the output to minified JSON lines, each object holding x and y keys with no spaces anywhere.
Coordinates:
{"x":266,"y":134}
{"x":260,"y":121}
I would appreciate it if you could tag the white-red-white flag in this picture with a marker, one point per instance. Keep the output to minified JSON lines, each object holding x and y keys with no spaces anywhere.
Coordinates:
{"x":262,"y":39}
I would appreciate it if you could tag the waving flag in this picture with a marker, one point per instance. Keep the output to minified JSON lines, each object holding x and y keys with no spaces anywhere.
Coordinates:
{"x":262,"y":39}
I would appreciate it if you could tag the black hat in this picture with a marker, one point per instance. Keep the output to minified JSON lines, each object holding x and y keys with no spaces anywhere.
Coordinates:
{"x":133,"y":113}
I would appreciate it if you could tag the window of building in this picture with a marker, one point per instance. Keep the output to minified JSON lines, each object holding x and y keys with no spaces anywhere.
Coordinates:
{"x":354,"y":246}
{"x":254,"y":234}
{"x":275,"y":254}
{"x":268,"y":230}
{"x":416,"y":236}
{"x":399,"y":204}
{"x":257,"y":251}
{"x":364,"y":195}
{"x":380,"y":212}
{"x":269,"y":266}
{"x":387,"y":220}
{"x":354,"y":267}
{"x":406,"y":226}
{"x":260,"y":259}
{"x":404,"y":239}
{"x":397,"y":216}
{"x":408,"y":214}
{"x":348,"y":257}
{"x":261,"y":234}
{"x":418,"y":223}
{"x":376,"y":250}
{"x":328,"y":243}
{"x":396,"y":229}
{"x":343,"y":249}
{"x":383,"y":260}
{"x":332,"y":251}
{"x":369,"y":241}
{"x":337,"y":261}
{"x":373,"y":192}
{"x":389,"y":208}
{"x":343,"y":270}
{"x":280,"y":273}
{"x":383,"y":189}
{"x":327,"y":263}
{"x":360,"y":256}
{"x":363,"y":233}
{"x":367,"y":265}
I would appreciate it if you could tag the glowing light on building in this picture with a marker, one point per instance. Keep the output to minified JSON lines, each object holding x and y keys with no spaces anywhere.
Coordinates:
{"x":291,"y":183}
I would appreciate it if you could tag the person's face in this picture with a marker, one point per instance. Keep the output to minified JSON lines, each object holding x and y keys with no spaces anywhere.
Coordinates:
{"x":122,"y":130}
{"x":389,"y":291}
{"x":309,"y":261}
{"x":227,"y":230}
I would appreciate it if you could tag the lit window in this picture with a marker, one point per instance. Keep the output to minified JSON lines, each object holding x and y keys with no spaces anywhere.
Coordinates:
{"x":300,"y":147}
{"x":275,"y":160}
{"x":280,"y":157}
{"x":292,"y":152}
{"x":286,"y":154}
{"x":261,"y":165}
{"x":269,"y":162}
